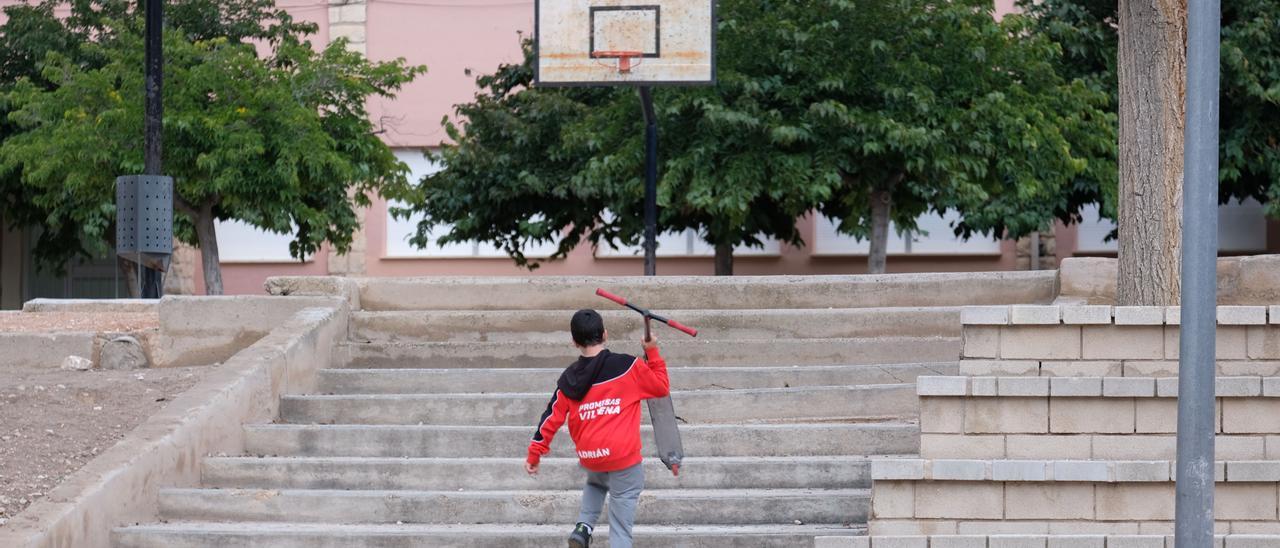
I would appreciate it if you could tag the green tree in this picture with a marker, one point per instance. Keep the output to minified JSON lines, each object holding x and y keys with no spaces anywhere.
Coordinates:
{"x":948,"y":108}
{"x":820,"y":104}
{"x":259,"y":126}
{"x":1250,"y":94}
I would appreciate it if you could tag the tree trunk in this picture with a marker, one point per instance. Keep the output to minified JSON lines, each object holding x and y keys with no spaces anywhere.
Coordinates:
{"x":1152,"y":71}
{"x":207,"y":236}
{"x":881,"y":202}
{"x":724,"y":260}
{"x":128,"y":270}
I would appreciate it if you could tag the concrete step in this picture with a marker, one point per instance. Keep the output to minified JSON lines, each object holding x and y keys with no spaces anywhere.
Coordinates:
{"x":761,"y":440}
{"x":880,"y":401}
{"x":707,"y":292}
{"x":307,"y":535}
{"x":625,"y":325}
{"x":656,"y":506}
{"x":677,"y":352}
{"x":474,"y":474}
{"x":489,"y":381}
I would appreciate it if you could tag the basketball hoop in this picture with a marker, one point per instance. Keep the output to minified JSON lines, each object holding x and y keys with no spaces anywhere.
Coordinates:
{"x":624,"y":59}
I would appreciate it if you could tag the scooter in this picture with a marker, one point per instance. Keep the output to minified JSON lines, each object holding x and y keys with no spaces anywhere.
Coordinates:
{"x":662,"y":414}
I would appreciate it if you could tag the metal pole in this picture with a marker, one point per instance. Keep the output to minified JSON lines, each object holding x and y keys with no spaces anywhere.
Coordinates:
{"x":1196,"y":370}
{"x":650,"y":183}
{"x":151,"y":280}
{"x":1035,"y":250}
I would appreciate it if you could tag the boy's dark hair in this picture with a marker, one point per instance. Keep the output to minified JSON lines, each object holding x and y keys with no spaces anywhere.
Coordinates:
{"x":587,"y":327}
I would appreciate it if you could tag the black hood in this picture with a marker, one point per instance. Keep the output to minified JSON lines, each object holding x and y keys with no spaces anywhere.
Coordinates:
{"x":578,"y":378}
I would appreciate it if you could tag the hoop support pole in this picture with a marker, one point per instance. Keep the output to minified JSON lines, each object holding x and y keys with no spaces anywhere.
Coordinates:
{"x":650,"y":182}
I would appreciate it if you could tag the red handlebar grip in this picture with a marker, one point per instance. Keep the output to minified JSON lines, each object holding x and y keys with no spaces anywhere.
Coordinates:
{"x":611,"y":297}
{"x":691,"y":331}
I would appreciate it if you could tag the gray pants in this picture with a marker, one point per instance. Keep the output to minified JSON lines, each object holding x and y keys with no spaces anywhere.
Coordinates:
{"x":623,"y":488}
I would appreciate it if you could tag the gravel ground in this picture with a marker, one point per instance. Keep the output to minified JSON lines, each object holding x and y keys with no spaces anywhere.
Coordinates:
{"x":52,"y":422}
{"x":51,"y":322}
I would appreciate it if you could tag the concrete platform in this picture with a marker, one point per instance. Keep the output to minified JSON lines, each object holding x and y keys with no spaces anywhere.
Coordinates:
{"x":761,"y":440}
{"x":656,"y":507}
{"x":475,"y":474}
{"x":881,"y":401}
{"x":301,"y":535}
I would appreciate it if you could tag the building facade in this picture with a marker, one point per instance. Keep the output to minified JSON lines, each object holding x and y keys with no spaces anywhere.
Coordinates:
{"x":460,"y":39}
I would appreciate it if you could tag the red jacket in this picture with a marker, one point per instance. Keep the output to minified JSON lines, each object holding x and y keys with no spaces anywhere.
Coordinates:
{"x":605,"y":423}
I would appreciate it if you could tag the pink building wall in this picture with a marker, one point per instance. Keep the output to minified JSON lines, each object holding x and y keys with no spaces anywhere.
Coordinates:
{"x":457,"y":43}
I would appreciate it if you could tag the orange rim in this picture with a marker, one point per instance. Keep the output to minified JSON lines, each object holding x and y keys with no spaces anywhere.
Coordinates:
{"x":624,"y":58}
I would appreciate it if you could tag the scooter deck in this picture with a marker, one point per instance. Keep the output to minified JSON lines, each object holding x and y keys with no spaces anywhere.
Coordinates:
{"x":666,"y":433}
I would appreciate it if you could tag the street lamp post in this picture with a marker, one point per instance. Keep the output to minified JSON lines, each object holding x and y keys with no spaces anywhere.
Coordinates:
{"x":1196,"y":368}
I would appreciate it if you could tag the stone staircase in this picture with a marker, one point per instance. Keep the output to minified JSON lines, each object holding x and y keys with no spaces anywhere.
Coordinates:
{"x":419,"y":439}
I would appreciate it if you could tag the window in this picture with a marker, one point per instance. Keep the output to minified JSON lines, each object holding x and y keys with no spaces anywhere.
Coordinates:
{"x":240,"y":242}
{"x":1093,"y":230}
{"x":1242,"y":228}
{"x":399,"y":231}
{"x":934,"y":236}
{"x":686,"y":243}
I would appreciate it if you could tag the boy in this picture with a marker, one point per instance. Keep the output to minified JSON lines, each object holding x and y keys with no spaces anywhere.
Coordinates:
{"x":600,"y":394}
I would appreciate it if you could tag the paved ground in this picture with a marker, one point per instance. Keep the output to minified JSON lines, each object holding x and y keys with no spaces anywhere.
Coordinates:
{"x":53,"y":421}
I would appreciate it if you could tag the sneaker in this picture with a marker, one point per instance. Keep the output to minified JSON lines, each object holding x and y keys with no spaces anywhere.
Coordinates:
{"x":580,"y":537}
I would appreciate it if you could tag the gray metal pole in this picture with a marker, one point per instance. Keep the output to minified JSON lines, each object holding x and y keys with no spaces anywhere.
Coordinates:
{"x":1196,"y":367}
{"x":151,"y":280}
{"x":650,"y":183}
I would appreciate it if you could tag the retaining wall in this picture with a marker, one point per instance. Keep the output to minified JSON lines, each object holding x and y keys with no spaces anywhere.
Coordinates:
{"x":1241,"y":280}
{"x":1063,"y":424}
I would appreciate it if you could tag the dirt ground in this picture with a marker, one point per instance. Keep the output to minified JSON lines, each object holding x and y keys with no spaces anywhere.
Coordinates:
{"x":53,"y":421}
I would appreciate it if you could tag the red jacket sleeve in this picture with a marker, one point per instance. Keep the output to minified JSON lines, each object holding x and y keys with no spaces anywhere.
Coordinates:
{"x":651,"y":375}
{"x":552,"y":418}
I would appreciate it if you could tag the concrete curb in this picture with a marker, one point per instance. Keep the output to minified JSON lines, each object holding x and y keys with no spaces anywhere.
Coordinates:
{"x":46,"y":350}
{"x":124,"y":306}
{"x":1059,"y":471}
{"x":121,"y":486}
{"x":1088,"y":387}
{"x":1054,"y":314}
{"x":1056,"y":541}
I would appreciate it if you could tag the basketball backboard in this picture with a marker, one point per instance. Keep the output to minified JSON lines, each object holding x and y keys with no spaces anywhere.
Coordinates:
{"x":636,"y":42}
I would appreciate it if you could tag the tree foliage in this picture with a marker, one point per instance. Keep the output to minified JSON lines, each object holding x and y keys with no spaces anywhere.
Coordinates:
{"x":1250,"y":84}
{"x":565,"y":165}
{"x":259,"y":126}
{"x":818,"y":104}
{"x":948,"y":108}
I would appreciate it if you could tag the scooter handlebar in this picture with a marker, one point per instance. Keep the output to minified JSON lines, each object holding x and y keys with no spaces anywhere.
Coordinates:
{"x":611,"y":297}
{"x":647,"y":314}
{"x":689,"y":330}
